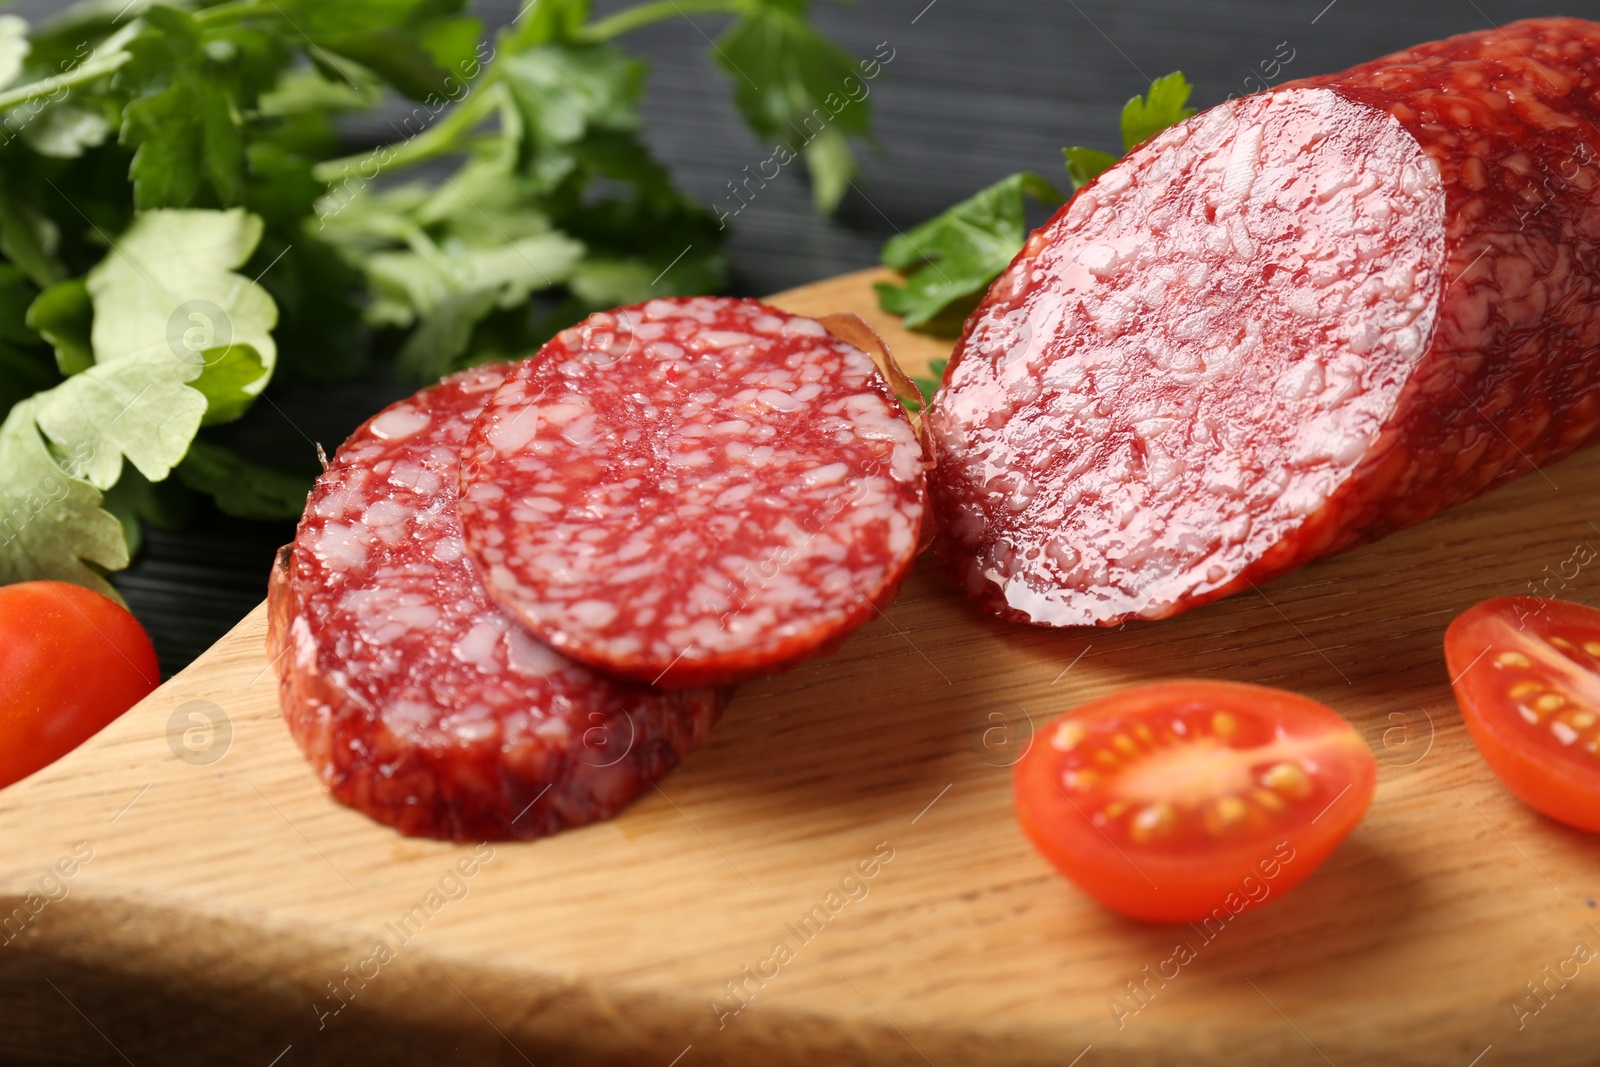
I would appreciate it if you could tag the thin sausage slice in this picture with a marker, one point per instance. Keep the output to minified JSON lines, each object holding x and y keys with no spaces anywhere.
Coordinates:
{"x":693,"y":491}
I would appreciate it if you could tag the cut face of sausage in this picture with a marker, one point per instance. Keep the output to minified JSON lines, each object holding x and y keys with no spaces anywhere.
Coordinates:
{"x":693,"y":491}
{"x":1188,"y":360}
{"x":416,"y":699}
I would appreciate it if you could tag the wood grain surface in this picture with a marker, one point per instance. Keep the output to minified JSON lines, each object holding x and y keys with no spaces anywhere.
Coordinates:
{"x":232,"y":913}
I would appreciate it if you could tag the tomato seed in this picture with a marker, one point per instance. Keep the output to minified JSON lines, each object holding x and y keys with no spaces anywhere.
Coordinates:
{"x":1549,"y":702}
{"x":1155,"y":821}
{"x":1287,"y":779}
{"x":1226,"y":813}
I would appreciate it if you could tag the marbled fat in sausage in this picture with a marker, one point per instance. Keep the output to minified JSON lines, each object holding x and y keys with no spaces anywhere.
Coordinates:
{"x":1296,"y":322}
{"x":693,"y":491}
{"x":416,"y":699}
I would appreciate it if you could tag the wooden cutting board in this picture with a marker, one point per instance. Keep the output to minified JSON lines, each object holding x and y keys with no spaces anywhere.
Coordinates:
{"x":232,"y":913}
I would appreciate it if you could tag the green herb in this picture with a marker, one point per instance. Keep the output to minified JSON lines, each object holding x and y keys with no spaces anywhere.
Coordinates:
{"x":959,"y":253}
{"x":789,"y":82}
{"x":53,"y":525}
{"x":240,"y":487}
{"x":929,"y":385}
{"x":1084,"y":165}
{"x":178,"y":226}
{"x":1143,"y":117}
{"x":1163,"y":105}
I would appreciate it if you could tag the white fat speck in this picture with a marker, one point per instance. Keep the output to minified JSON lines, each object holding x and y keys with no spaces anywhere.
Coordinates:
{"x":593,"y":613}
{"x":1300,"y":380}
{"x":559,"y":414}
{"x":416,"y":616}
{"x":399,"y":423}
{"x":479,"y":645}
{"x":339,"y":546}
{"x":831,"y":474}
{"x":528,"y":655}
{"x":471,"y":730}
{"x":386,"y":513}
{"x":722,"y":338}
{"x":408,"y":718}
{"x":779,"y":401}
{"x":734,"y":496}
{"x":1099,"y":259}
{"x":1243,"y":162}
{"x":798,"y":327}
{"x":510,"y":434}
{"x":415,"y":477}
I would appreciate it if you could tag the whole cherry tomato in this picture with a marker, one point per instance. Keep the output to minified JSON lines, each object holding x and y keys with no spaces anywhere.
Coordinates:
{"x":71,"y":661}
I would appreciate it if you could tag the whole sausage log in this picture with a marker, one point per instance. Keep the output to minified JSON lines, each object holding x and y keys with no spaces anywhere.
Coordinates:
{"x":1294,"y":323}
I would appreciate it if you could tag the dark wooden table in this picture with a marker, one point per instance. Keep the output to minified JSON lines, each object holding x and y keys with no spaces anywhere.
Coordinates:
{"x":974,"y":91}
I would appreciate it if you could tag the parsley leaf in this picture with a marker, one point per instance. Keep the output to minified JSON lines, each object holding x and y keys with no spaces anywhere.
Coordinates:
{"x":241,"y":488}
{"x":929,"y":385}
{"x":136,"y":401}
{"x":28,"y":237}
{"x":1160,"y":107}
{"x":137,"y":502}
{"x":567,"y":97}
{"x":25,"y":364}
{"x":65,"y":131}
{"x":13,"y":48}
{"x":192,"y":86}
{"x":167,"y":308}
{"x":1143,"y":117}
{"x":1084,"y":165}
{"x":421,"y":47}
{"x":168,"y":290}
{"x":795,"y":87}
{"x":52,"y":525}
{"x":61,"y":315}
{"x":546,"y":21}
{"x":960,"y":252}
{"x":442,"y":260}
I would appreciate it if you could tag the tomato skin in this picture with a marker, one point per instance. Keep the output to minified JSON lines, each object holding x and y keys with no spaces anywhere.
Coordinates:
{"x":1205,"y":878}
{"x":1562,"y":782}
{"x":72,"y":660}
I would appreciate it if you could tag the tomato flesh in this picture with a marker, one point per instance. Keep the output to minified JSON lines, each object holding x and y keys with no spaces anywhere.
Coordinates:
{"x":1181,"y":800}
{"x":1526,"y":673}
{"x":72,"y":661}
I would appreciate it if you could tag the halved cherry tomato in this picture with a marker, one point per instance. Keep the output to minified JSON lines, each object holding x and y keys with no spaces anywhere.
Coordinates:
{"x":71,"y":660}
{"x":1526,"y":672}
{"x":1187,"y":799}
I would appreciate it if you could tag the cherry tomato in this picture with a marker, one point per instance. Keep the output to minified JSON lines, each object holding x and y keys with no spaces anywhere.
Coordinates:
{"x":72,"y":660}
{"x":1183,"y":800}
{"x":1526,"y":672}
